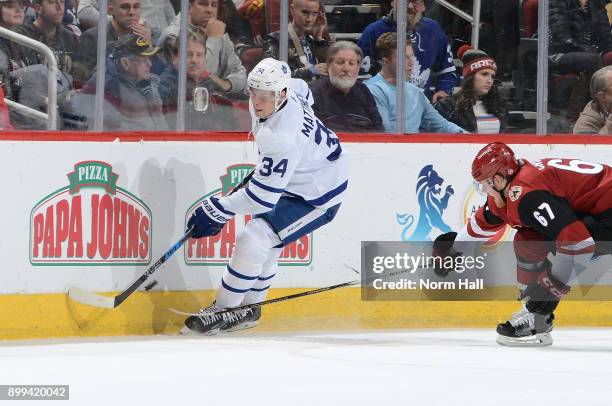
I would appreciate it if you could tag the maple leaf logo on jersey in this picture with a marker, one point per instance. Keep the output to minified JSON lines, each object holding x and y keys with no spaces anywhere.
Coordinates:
{"x":515,"y":193}
{"x":419,"y":75}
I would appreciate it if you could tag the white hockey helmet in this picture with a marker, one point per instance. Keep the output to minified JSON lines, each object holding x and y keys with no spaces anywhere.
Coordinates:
{"x":270,"y":74}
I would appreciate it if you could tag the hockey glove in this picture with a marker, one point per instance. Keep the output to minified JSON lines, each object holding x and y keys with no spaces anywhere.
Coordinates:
{"x":443,"y":254}
{"x":543,"y":295}
{"x":209,"y":218}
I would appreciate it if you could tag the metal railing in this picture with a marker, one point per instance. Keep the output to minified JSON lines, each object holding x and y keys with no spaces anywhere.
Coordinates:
{"x":51,"y":115}
{"x":473,"y":19}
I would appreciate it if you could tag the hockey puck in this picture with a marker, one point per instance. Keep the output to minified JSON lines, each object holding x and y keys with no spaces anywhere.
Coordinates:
{"x":151,"y":285}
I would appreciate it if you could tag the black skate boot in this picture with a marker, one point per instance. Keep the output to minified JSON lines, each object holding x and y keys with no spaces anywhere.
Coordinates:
{"x":206,"y":322}
{"x":249,"y":320}
{"x":209,"y":323}
{"x":526,"y":329}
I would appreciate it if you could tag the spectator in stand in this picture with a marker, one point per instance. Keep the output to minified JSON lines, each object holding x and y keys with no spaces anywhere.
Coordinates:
{"x":125,"y":20}
{"x":201,"y":11}
{"x":221,"y":58}
{"x":595,"y":118}
{"x":580,"y":43}
{"x":307,"y":44}
{"x":341,"y":102}
{"x":131,"y":91}
{"x":216,"y":117}
{"x":477,"y":107}
{"x":48,"y":29}
{"x":580,"y":38}
{"x":70,"y":19}
{"x":157,"y":13}
{"x":432,"y":53}
{"x":420,"y":115}
{"x":11,"y":58}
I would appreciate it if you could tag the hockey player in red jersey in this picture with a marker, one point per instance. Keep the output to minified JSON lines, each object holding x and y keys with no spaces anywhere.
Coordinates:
{"x":558,"y":206}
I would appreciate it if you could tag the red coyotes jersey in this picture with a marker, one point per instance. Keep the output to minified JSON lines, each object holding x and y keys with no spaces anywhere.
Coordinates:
{"x":550,"y":196}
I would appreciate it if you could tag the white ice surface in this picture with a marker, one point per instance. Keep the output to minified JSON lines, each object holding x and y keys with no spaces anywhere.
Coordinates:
{"x":439,"y":367}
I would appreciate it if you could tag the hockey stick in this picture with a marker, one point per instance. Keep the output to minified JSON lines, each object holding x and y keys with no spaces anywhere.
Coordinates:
{"x":270,"y":301}
{"x":293,"y":296}
{"x":92,"y":299}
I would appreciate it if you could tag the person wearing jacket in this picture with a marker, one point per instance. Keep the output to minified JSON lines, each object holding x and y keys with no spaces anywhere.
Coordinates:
{"x":307,"y":50}
{"x":420,"y":116}
{"x":48,"y":29}
{"x":131,"y":90}
{"x":216,"y":117}
{"x":433,"y":59}
{"x":580,"y":38}
{"x":11,"y":57}
{"x":221,"y":59}
{"x":596,"y":117}
{"x":477,"y":107}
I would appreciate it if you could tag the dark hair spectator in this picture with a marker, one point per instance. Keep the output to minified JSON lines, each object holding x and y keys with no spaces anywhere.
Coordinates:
{"x":432,"y":53}
{"x":221,"y":58}
{"x":126,"y":19}
{"x":343,"y":103}
{"x":477,"y":107}
{"x":419,"y":115}
{"x":203,"y":11}
{"x":48,"y":29}
{"x":11,"y":57}
{"x":217,"y":117}
{"x":595,"y":118}
{"x":157,"y":13}
{"x":307,"y":44}
{"x":131,"y":90}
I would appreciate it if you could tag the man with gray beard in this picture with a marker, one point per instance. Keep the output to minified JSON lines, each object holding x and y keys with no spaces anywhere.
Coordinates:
{"x":341,"y":102}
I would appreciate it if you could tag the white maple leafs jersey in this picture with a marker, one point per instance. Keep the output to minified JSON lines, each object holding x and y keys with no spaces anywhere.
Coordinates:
{"x":298,"y":156}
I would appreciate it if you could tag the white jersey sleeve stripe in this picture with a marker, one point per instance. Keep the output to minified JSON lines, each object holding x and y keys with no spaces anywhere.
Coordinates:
{"x":266,"y":187}
{"x":329,"y":195}
{"x":258,"y":200}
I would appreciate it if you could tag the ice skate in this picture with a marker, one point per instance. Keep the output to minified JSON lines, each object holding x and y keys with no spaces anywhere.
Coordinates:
{"x":249,"y":320}
{"x":526,"y":329}
{"x":209,"y":323}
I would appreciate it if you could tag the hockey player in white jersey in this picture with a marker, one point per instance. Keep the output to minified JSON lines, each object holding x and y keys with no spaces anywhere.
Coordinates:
{"x":297,"y":187}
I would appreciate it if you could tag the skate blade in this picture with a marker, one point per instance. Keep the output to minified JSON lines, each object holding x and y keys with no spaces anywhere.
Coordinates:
{"x":189,"y":332}
{"x":242,"y":326}
{"x":539,"y":340}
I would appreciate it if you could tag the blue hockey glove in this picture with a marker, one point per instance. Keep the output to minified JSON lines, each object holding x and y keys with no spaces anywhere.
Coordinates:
{"x":209,"y":218}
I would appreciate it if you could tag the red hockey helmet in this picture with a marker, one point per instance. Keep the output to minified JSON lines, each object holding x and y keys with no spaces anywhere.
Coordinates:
{"x":494,"y":158}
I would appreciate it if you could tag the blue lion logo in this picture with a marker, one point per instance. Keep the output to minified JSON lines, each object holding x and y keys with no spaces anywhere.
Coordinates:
{"x":432,"y":206}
